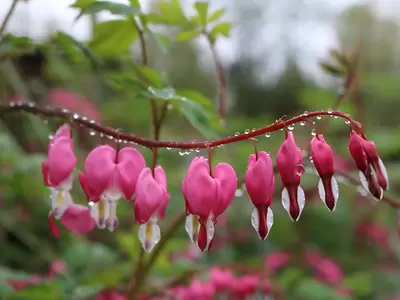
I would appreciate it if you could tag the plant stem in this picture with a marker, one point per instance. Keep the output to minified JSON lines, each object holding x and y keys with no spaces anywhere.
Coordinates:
{"x":8,"y":17}
{"x":145,"y":268}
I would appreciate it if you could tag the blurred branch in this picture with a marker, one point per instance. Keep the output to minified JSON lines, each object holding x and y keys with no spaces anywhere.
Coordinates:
{"x":8,"y":17}
{"x":221,"y":81}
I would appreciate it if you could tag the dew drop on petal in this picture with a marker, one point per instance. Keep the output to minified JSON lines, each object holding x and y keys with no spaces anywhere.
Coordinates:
{"x":51,"y":136}
{"x":299,"y":170}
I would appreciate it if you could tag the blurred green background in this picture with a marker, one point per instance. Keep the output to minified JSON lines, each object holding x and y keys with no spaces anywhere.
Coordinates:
{"x":102,"y":79}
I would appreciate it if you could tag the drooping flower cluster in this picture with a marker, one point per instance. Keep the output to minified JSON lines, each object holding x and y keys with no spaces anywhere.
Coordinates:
{"x":111,"y":174}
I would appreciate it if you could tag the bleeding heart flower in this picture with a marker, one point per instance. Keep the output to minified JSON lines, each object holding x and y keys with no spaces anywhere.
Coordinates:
{"x":207,"y":195}
{"x":289,"y":163}
{"x":260,"y":182}
{"x":109,"y":175}
{"x":221,"y":279}
{"x":373,"y":174}
{"x":58,"y":170}
{"x":323,"y":158}
{"x":150,"y":204}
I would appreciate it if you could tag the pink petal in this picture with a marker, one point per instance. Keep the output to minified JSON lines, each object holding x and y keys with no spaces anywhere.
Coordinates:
{"x":77,"y":219}
{"x":149,"y":195}
{"x":322,"y":156}
{"x":45,"y":173}
{"x":61,"y":161}
{"x":226,"y":177}
{"x":201,"y":190}
{"x":161,"y":179}
{"x":260,"y":179}
{"x":99,"y":167}
{"x":130,"y":163}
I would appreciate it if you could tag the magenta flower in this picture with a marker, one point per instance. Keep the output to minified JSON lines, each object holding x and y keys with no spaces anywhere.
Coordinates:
{"x":200,"y":290}
{"x":260,"y":182}
{"x":150,"y":204}
{"x":289,"y":163}
{"x":207,"y":195}
{"x":221,"y":279}
{"x":323,"y":158}
{"x":373,"y":174}
{"x":109,"y":176}
{"x":276,"y":260}
{"x":246,"y":285}
{"x":328,"y":271}
{"x":58,"y":170}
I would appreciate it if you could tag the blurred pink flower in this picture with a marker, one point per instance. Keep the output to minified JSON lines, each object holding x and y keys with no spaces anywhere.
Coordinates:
{"x":110,"y":295}
{"x":200,"y":290}
{"x":56,"y":267}
{"x":328,"y":271}
{"x":276,"y":260}
{"x":375,"y":232}
{"x":221,"y":279}
{"x":20,"y":284}
{"x":74,"y":102}
{"x":245,"y":285}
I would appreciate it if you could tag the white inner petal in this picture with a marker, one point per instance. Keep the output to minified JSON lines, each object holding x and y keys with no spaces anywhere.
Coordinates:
{"x":100,"y":212}
{"x":384,"y":172}
{"x":286,"y":200}
{"x":270,"y":219}
{"x":335,"y":191}
{"x":149,"y":234}
{"x":112,"y":220}
{"x":192,"y":227}
{"x":66,"y":185}
{"x":60,"y":200}
{"x":255,"y":220}
{"x":301,"y":200}
{"x":363,"y":180}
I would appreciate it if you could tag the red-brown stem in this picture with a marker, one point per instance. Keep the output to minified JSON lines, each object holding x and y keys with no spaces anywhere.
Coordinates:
{"x":151,"y":143}
{"x":221,"y":81}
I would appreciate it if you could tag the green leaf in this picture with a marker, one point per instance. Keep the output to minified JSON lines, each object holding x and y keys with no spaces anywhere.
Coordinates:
{"x":128,"y":243}
{"x":150,"y":75}
{"x":195,"y":96}
{"x":199,"y":117}
{"x":46,"y":290}
{"x":109,"y":276}
{"x":202,"y":10}
{"x":216,"y":15}
{"x":220,"y":29}
{"x":113,"y":38}
{"x":5,"y":290}
{"x":312,"y":289}
{"x":170,"y":13}
{"x":112,"y":7}
{"x":360,"y":283}
{"x":84,"y":292}
{"x":163,"y":42}
{"x":135,"y":3}
{"x":187,"y":35}
{"x":82,"y":3}
{"x":333,"y":70}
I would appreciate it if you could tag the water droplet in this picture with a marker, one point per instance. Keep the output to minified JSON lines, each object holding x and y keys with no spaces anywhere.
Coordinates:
{"x":181,"y":152}
{"x":347,"y":122}
{"x":84,"y":118}
{"x":110,"y":137}
{"x":45,"y":121}
{"x":253,"y":129}
{"x":336,"y":117}
{"x":267,"y":135}
{"x":319,"y":117}
{"x":92,"y":122}
{"x":311,"y":159}
{"x":31,"y":104}
{"x":198,"y":150}
{"x":247,"y":131}
{"x":187,"y":152}
{"x":237,"y":133}
{"x":51,"y":136}
{"x":170,"y":106}
{"x":239,"y":193}
{"x":91,"y":203}
{"x":169,"y":148}
{"x":101,"y":135}
{"x":302,"y":123}
{"x":299,"y":170}
{"x":92,"y":133}
{"x":11,"y":104}
{"x":330,"y":111}
{"x":64,"y":110}
{"x":305,"y":112}
{"x":313,"y":133}
{"x":291,"y":127}
{"x":220,"y":146}
{"x":75,"y":116}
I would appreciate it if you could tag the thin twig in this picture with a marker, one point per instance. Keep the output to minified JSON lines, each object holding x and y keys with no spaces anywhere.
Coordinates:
{"x":8,"y":17}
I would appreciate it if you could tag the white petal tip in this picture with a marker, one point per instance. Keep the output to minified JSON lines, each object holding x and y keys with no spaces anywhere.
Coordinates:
{"x":149,"y":236}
